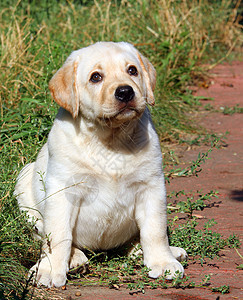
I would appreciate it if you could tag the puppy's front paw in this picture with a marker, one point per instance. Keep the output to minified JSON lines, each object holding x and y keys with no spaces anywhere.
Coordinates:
{"x":169,"y":269}
{"x":46,"y":274}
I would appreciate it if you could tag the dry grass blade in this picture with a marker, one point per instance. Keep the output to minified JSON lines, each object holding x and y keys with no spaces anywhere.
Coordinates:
{"x":21,"y":68}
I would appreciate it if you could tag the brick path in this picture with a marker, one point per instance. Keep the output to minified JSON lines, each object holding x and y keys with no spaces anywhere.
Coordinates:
{"x":223,"y":172}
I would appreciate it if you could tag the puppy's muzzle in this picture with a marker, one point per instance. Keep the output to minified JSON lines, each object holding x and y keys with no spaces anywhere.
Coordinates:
{"x":124,"y":93}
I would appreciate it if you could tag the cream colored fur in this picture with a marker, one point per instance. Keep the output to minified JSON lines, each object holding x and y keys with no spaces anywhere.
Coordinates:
{"x":98,"y":181}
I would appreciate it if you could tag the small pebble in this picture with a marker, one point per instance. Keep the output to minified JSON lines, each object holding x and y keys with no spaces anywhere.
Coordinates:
{"x":78,"y":293}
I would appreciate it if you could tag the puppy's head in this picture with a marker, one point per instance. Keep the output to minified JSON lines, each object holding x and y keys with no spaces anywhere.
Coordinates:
{"x":105,"y":82}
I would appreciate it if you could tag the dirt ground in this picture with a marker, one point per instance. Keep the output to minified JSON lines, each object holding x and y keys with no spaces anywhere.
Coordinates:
{"x":223,"y":172}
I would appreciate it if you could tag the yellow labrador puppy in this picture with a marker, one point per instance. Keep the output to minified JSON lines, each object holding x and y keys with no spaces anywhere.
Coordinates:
{"x":98,"y":181}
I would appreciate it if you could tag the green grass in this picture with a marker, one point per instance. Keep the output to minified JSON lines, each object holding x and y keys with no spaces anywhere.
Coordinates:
{"x":232,"y":110}
{"x":37,"y":36}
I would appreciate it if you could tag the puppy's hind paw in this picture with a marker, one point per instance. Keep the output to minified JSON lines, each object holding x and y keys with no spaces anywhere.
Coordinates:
{"x":179,"y":253}
{"x":78,"y":261}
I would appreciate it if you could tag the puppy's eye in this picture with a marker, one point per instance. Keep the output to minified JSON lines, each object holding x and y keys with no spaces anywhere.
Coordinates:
{"x":96,"y":77}
{"x":132,"y":70}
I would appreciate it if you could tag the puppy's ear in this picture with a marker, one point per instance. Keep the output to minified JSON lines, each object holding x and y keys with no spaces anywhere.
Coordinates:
{"x":149,"y":74}
{"x":63,"y":87}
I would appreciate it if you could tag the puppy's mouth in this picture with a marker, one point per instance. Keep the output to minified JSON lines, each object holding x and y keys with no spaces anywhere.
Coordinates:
{"x":127,"y":112}
{"x":123,"y":115}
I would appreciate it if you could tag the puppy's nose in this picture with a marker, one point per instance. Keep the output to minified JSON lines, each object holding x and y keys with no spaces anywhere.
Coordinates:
{"x":124,"y":93}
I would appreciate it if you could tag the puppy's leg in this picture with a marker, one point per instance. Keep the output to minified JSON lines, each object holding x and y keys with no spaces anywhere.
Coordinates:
{"x":152,"y":221}
{"x":26,"y":199}
{"x":59,"y":219}
{"x":23,"y":188}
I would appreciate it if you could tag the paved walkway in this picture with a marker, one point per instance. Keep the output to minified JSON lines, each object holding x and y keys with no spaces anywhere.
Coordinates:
{"x":223,"y":172}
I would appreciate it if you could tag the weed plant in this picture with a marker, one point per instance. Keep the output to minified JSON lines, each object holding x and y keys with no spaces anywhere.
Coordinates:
{"x":36,"y":38}
{"x":232,"y":110}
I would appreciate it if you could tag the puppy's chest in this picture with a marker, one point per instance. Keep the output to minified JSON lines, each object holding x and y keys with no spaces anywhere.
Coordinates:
{"x":111,"y":164}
